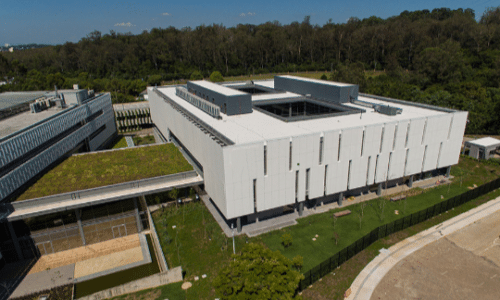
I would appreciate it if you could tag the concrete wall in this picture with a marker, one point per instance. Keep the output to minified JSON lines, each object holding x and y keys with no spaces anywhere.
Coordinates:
{"x":173,"y":275}
{"x":201,"y":145}
{"x":236,"y":104}
{"x":366,"y":155}
{"x":326,"y":91}
{"x":22,"y":143}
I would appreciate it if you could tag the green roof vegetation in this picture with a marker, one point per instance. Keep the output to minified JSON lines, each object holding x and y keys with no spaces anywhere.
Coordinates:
{"x":93,"y":170}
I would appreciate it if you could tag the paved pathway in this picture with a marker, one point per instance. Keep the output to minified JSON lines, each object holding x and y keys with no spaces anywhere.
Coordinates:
{"x":368,"y":279}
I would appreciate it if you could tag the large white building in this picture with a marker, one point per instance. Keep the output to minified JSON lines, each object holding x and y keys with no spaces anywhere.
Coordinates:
{"x":266,"y":145}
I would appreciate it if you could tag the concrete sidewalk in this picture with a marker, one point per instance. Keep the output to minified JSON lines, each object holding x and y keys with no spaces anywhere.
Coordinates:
{"x":368,"y":279}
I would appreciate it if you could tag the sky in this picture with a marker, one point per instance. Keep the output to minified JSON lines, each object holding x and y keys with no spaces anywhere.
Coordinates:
{"x":59,"y":21}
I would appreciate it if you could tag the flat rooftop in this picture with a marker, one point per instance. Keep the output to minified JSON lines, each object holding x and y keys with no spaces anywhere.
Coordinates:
{"x":11,"y":99}
{"x":97,"y":169}
{"x":327,"y":82}
{"x":485,"y":142}
{"x":255,"y":126}
{"x":218,"y":88}
{"x":25,"y":119}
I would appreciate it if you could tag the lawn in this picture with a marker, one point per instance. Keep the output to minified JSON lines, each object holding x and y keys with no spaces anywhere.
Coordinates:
{"x":119,"y":142}
{"x":199,"y":246}
{"x":97,"y":169}
{"x":348,"y":227}
{"x":197,"y":243}
{"x":144,"y":140}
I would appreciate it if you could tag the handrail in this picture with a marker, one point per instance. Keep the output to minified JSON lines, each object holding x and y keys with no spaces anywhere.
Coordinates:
{"x":82,"y":194}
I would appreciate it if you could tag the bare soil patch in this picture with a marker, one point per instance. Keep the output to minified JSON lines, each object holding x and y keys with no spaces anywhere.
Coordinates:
{"x":75,"y":255}
{"x":441,"y":270}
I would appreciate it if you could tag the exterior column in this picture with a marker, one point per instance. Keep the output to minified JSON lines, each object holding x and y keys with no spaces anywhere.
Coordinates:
{"x":78,"y":213}
{"x":137,"y":217}
{"x":301,"y":208}
{"x":341,"y":197}
{"x":410,"y":181}
{"x":448,"y":171}
{"x":15,"y":241}
{"x":379,"y":189}
{"x":238,"y":224}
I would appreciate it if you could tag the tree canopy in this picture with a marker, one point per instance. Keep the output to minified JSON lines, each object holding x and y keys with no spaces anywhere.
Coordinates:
{"x":259,"y":273}
{"x":440,"y":56}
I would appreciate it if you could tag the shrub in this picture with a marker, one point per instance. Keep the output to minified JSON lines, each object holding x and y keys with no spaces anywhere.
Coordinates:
{"x":216,"y":76}
{"x":286,"y":240}
{"x":196,"y":75}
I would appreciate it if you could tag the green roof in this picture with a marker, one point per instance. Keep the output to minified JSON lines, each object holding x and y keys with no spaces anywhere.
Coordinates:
{"x":80,"y":172}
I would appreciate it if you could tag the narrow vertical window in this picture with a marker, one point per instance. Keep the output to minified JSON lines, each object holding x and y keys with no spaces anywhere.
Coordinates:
{"x":376,"y":164}
{"x":423,"y":160}
{"x":255,"y":195}
{"x":324,"y":182}
{"x":265,"y":160}
{"x":407,"y":135}
{"x":368,"y":169}
{"x":451,"y":125}
{"x":307,"y":182}
{"x":406,"y":161}
{"x":320,"y":150}
{"x":349,"y":174}
{"x":395,"y":136}
{"x":290,"y":158}
{"x":362,"y":142}
{"x":439,"y":154}
{"x":381,"y":139}
{"x":225,"y":108}
{"x":340,"y":140}
{"x":423,"y":134}
{"x":296,"y":185}
{"x":389,"y":165}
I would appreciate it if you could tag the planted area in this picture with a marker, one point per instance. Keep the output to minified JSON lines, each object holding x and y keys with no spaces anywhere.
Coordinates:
{"x":119,"y":142}
{"x":190,"y":237}
{"x":93,"y":170}
{"x":144,"y":140}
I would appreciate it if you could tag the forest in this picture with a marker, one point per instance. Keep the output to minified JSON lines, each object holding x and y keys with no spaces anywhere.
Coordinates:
{"x":442,"y":57}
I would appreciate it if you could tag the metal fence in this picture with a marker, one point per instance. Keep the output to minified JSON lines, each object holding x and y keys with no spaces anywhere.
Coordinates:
{"x":382,"y":231}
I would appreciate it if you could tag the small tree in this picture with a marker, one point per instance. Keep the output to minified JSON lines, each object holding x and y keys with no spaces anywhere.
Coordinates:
{"x":173,"y":193}
{"x":286,"y":240}
{"x":323,"y":77}
{"x":381,"y":206}
{"x":362,"y":206}
{"x":196,"y":75}
{"x":258,"y":273}
{"x":216,"y":76}
{"x":336,"y":237}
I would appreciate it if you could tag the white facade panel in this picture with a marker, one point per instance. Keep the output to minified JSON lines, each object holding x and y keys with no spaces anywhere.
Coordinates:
{"x":382,"y":163}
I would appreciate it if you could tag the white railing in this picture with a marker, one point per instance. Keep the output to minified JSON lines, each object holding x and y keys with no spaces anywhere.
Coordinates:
{"x":210,"y":108}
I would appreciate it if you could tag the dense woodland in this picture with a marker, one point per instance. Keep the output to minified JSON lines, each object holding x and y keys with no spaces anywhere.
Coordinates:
{"x":443,"y":57}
